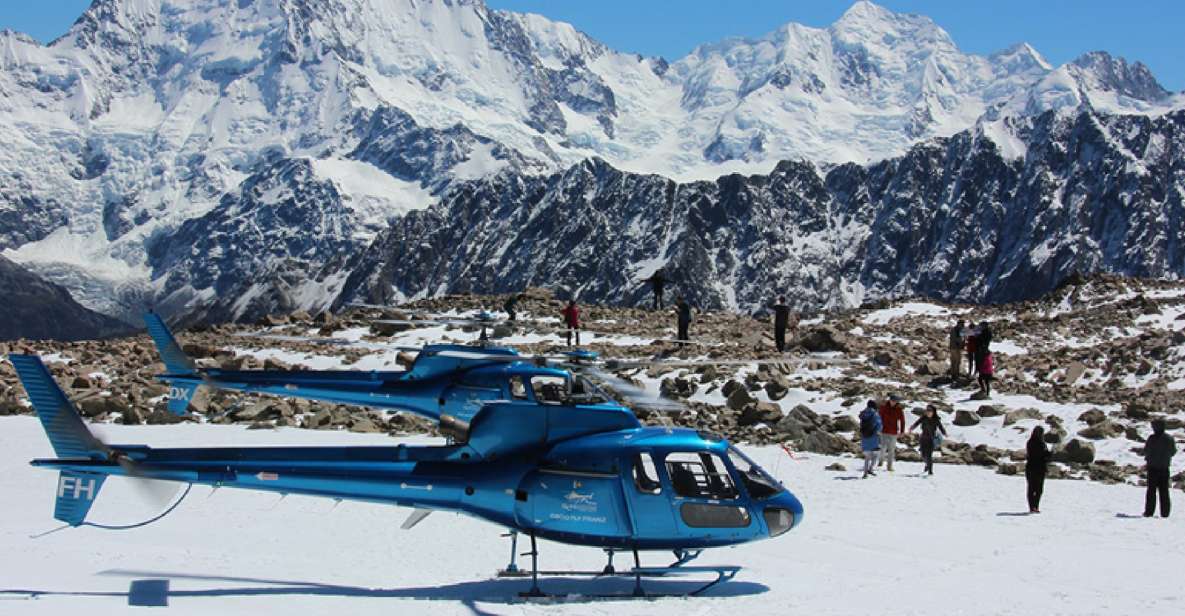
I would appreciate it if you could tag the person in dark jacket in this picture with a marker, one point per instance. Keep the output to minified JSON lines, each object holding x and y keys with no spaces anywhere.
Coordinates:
{"x":969,"y":345}
{"x":658,"y":281}
{"x":929,"y":440}
{"x":511,"y":306}
{"x":571,"y":315}
{"x":781,"y":321}
{"x":1159,"y":450}
{"x":1036,"y":462}
{"x":983,"y":343}
{"x":683,"y":313}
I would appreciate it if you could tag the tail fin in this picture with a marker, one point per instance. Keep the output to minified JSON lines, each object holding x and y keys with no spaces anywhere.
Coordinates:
{"x":76,"y":493}
{"x":63,"y":425}
{"x":176,"y":361}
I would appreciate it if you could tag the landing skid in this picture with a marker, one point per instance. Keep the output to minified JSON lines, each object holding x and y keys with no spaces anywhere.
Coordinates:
{"x":724,"y":573}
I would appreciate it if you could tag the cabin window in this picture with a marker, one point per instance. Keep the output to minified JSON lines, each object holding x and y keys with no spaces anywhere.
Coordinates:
{"x":700,"y":475}
{"x":518,"y":388}
{"x":646,"y":474}
{"x":701,"y":515}
{"x":550,"y":389}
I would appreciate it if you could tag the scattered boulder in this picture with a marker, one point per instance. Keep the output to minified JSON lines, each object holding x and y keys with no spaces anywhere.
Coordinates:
{"x":824,"y":443}
{"x":678,"y":387}
{"x":823,"y":339}
{"x":844,"y":423}
{"x":777,"y":388}
{"x":761,"y":412}
{"x":989,"y":410}
{"x":1076,"y":452}
{"x":1092,"y":417}
{"x":1103,"y":429}
{"x":364,"y":425}
{"x":965,"y":418}
{"x":1012,"y":417}
{"x":835,"y":466}
{"x":739,"y":398}
{"x":1074,"y":372}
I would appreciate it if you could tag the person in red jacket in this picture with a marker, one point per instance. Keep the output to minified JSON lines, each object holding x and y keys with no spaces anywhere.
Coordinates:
{"x":571,"y":315}
{"x":892,"y":425}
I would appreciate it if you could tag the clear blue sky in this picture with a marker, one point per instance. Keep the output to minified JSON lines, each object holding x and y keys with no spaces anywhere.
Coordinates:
{"x":1147,"y":30}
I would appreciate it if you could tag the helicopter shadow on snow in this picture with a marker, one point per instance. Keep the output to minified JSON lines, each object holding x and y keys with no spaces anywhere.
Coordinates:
{"x":152,"y":588}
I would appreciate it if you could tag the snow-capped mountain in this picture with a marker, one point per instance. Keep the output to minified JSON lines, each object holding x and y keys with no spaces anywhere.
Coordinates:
{"x":147,"y":151}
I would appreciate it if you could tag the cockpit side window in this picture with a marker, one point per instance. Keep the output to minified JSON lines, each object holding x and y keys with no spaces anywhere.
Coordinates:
{"x":518,"y":388}
{"x":700,"y":475}
{"x":550,"y":389}
{"x":646,"y":474}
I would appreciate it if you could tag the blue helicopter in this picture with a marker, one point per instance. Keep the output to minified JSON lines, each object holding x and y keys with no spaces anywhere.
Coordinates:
{"x":565,"y":466}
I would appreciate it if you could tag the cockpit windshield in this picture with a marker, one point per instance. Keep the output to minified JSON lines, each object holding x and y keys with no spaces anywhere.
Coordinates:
{"x":758,"y":483}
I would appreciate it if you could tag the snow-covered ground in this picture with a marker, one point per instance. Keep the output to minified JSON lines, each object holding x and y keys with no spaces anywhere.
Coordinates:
{"x":951,"y":544}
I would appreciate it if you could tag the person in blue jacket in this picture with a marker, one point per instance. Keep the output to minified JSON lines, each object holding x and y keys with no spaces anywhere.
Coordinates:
{"x":870,"y":436}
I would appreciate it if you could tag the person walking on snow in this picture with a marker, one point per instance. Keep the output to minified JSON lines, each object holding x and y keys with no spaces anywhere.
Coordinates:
{"x":683,"y":313}
{"x":1036,"y":462}
{"x":658,"y":280}
{"x":870,"y":436}
{"x":571,"y":314}
{"x":931,"y":437}
{"x":1159,"y":450}
{"x":781,"y":321}
{"x":969,"y":345}
{"x":892,"y":425}
{"x":956,"y":349}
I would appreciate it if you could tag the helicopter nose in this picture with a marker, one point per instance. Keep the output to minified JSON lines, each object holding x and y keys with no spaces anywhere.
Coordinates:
{"x":783,"y":514}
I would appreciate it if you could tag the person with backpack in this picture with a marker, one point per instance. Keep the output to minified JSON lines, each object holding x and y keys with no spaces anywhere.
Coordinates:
{"x":956,"y":349}
{"x":870,"y":436}
{"x":987,"y":371}
{"x":1037,"y":457}
{"x":932,"y":434}
{"x":571,"y":314}
{"x":1159,"y":450}
{"x":983,"y":342}
{"x":892,"y":425}
{"x":683,"y":317}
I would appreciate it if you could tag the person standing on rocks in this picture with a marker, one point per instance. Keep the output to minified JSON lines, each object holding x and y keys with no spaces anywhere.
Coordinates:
{"x":683,"y":314}
{"x":1036,"y":462}
{"x":892,"y":425}
{"x":571,"y":314}
{"x":870,"y":436}
{"x":781,"y":321}
{"x":931,"y":437}
{"x":956,"y":349}
{"x":983,"y":343}
{"x":1159,"y":450}
{"x":658,"y":281}
{"x":510,"y":306}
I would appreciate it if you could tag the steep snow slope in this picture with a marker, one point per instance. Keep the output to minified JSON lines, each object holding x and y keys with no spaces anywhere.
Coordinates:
{"x":149,"y":114}
{"x":928,"y":546}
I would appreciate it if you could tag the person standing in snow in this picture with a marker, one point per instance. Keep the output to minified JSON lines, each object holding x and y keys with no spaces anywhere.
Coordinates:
{"x":870,"y":436}
{"x":658,"y":281}
{"x":571,"y":314}
{"x":931,"y":437}
{"x":781,"y":321}
{"x":1159,"y":450}
{"x":683,"y":314}
{"x":983,"y":342}
{"x":956,"y":349}
{"x":1036,"y":462}
{"x":987,"y":371}
{"x":892,"y":425}
{"x":511,"y":305}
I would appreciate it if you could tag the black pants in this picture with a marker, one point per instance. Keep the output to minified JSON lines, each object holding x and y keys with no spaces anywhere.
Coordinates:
{"x":658,"y":298}
{"x":1035,"y":477}
{"x":511,"y":315}
{"x":780,"y":338}
{"x":971,"y":365}
{"x":570,"y":330}
{"x":1158,"y":481}
{"x":927,"y":445}
{"x":683,"y":331}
